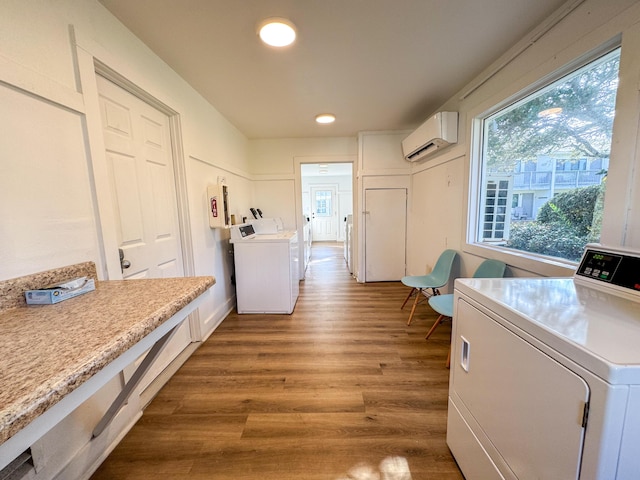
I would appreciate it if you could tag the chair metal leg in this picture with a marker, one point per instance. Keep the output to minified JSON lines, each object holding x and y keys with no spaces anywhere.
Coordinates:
{"x":415,"y":304}
{"x":408,"y":297}
{"x":435,"y":324}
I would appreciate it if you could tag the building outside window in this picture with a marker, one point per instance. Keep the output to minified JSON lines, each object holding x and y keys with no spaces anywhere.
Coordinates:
{"x":544,"y":162}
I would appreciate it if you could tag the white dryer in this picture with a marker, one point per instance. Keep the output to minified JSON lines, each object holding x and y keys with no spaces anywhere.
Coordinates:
{"x":545,"y":373}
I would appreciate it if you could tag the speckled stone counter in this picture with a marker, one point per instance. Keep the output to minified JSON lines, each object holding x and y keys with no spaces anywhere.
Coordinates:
{"x":47,"y":351}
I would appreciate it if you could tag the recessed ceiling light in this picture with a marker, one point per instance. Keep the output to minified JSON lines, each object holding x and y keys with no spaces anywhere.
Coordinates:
{"x":325,"y":118}
{"x":277,"y":32}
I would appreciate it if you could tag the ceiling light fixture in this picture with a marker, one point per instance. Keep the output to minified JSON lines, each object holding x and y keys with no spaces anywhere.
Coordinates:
{"x":325,"y":118}
{"x":277,"y":32}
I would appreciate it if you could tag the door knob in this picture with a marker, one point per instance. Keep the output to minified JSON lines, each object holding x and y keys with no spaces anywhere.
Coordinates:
{"x":123,"y":263}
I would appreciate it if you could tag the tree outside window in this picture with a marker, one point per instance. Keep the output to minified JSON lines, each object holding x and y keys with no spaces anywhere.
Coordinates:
{"x":549,"y":155}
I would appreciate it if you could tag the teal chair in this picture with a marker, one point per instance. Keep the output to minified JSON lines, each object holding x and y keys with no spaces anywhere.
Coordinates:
{"x":443,"y":304}
{"x":435,"y":280}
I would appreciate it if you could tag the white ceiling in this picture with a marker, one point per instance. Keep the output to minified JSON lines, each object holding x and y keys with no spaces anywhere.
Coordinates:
{"x":376,"y":64}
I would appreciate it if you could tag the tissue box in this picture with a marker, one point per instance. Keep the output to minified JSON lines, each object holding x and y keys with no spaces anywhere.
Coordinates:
{"x":60,"y":291}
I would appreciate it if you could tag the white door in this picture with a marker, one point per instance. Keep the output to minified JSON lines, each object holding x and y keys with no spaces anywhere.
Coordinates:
{"x":140,"y":165}
{"x":324,"y":207}
{"x":385,"y":233}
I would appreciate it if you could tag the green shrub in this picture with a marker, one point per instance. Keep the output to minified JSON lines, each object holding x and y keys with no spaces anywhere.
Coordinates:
{"x":563,"y":225}
{"x":573,"y":208}
{"x":553,"y":239}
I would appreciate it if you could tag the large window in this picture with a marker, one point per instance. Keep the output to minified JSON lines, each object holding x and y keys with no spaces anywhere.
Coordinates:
{"x":544,"y":162}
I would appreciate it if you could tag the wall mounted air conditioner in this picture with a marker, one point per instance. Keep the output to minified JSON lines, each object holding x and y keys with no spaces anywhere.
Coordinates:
{"x":440,"y":130}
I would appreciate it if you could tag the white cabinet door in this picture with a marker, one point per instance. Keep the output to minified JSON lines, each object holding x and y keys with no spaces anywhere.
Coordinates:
{"x":385,"y":233}
{"x":528,"y":405}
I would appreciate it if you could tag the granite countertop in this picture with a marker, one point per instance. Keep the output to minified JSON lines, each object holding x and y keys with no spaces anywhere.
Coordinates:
{"x":47,"y":351}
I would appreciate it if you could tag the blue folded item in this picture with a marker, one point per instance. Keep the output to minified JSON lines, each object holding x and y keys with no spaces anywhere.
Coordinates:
{"x":60,"y":291}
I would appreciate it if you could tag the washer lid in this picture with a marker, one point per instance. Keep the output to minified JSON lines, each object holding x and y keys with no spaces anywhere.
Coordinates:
{"x":591,"y":326}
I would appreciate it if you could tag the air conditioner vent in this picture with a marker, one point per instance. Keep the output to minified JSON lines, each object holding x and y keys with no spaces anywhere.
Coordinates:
{"x":440,"y":130}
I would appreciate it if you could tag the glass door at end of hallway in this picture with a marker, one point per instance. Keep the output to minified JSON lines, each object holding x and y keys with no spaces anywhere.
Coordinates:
{"x":324,"y":214}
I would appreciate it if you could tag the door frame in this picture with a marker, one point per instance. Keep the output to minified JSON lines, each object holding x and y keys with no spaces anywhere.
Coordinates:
{"x":297,"y":164}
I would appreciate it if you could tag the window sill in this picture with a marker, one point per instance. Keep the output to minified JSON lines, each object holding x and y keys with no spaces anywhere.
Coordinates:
{"x":530,"y":263}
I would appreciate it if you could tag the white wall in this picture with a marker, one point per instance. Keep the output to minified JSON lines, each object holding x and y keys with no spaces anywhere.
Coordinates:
{"x":49,"y":201}
{"x":381,"y":165}
{"x":45,"y":196}
{"x":441,"y":185}
{"x":275,"y":156}
{"x":273,"y":167}
{"x":435,"y":209}
{"x":213,"y":253}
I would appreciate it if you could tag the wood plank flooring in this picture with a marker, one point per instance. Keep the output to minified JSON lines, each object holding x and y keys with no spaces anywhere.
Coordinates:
{"x":328,"y":393}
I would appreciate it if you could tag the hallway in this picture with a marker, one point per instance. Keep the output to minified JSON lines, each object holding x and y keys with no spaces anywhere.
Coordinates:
{"x":328,"y":393}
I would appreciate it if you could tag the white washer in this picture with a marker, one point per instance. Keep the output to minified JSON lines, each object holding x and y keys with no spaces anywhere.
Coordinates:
{"x":545,"y":373}
{"x":266,"y":270}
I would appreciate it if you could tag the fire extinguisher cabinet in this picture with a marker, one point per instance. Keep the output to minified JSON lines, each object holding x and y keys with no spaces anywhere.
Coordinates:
{"x":218,"y":205}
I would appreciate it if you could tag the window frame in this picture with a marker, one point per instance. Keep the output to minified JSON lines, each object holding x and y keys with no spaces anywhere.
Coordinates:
{"x":530,"y":262}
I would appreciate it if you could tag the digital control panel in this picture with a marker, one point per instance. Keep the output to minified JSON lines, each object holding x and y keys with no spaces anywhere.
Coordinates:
{"x":246,"y":230}
{"x":614,"y":267}
{"x":242,"y":232}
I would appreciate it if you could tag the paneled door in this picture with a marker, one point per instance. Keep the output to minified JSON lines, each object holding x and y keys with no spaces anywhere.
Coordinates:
{"x":324,"y":207}
{"x":385,"y":223}
{"x":140,"y":165}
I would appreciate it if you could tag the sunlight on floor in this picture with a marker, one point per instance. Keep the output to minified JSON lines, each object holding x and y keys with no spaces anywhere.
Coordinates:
{"x":391,"y":468}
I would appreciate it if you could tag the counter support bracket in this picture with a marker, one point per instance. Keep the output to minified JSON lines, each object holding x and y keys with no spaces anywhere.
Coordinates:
{"x":133,"y":382}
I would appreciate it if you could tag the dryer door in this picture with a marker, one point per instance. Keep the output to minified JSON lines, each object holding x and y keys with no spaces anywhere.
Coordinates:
{"x":528,"y":405}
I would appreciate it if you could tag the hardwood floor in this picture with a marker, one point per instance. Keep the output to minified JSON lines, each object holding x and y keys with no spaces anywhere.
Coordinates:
{"x":328,"y":393}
